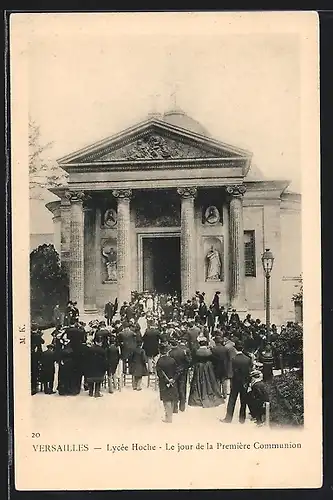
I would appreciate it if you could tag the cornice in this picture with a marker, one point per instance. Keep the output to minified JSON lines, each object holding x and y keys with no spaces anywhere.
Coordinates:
{"x":142,"y":184}
{"x":126,"y":165}
{"x":266,"y":185}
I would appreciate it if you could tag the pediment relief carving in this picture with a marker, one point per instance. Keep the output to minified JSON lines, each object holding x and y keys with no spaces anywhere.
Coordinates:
{"x":157,"y":147}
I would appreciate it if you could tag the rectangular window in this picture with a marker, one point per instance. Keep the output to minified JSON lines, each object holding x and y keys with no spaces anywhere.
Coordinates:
{"x":250,"y":253}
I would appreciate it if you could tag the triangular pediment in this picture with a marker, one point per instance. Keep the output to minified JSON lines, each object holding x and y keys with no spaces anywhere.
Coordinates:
{"x":154,"y":140}
{"x":156,"y":146}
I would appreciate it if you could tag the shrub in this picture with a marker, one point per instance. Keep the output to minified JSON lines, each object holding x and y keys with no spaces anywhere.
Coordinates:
{"x":287,"y":399}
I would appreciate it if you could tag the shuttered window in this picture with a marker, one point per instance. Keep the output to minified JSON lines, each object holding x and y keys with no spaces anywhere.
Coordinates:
{"x":250,"y":253}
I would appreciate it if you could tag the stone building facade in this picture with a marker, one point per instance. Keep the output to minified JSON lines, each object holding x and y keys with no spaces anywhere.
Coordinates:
{"x":163,"y":206}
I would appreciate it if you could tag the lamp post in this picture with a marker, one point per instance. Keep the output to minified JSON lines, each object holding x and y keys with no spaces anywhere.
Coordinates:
{"x":267,"y":260}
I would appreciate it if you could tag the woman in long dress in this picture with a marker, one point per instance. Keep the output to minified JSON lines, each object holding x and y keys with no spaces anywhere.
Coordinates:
{"x":204,"y":390}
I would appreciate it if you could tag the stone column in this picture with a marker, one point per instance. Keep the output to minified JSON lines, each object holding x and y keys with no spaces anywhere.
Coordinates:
{"x":57,"y":228}
{"x":65,"y":210}
{"x":55,"y":208}
{"x":236,"y":237}
{"x":76,"y":250}
{"x":123,"y":245}
{"x":187,"y":242}
{"x":90,"y":275}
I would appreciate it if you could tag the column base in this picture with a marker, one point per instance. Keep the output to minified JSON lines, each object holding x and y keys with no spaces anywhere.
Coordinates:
{"x":90,"y":309}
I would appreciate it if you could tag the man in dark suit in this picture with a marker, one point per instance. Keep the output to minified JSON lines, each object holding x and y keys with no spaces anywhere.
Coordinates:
{"x":95,"y":367}
{"x":220,"y":363}
{"x":216,"y":303}
{"x":122,"y":310}
{"x":130,"y":312}
{"x":57,"y":316}
{"x":108,"y":312}
{"x":193,"y":332}
{"x":76,"y":312}
{"x":127,"y":343}
{"x":151,"y":339}
{"x":76,"y":336}
{"x":47,"y":372}
{"x":166,"y":369}
{"x":241,"y":368}
{"x":210,"y":319}
{"x":231,"y":353}
{"x":181,"y":354}
{"x":202,"y":312}
{"x":113,"y":356}
{"x":223,"y":317}
{"x":234,"y":318}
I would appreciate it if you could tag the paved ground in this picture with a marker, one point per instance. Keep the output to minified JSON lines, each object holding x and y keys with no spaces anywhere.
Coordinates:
{"x":123,"y":409}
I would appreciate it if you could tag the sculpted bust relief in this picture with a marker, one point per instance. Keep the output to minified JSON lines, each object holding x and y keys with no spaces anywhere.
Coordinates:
{"x":212,"y":215}
{"x":110,"y":218}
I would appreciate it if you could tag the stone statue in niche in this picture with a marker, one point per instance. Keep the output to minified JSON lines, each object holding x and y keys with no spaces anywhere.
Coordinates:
{"x":110,"y":260}
{"x":110,"y":218}
{"x":212,"y":215}
{"x":214,"y":265}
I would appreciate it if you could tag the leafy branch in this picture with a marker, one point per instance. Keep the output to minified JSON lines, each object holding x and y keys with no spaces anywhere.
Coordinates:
{"x":42,"y":173}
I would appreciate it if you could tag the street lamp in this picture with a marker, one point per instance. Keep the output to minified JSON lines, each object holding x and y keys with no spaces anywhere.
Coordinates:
{"x":267,"y":260}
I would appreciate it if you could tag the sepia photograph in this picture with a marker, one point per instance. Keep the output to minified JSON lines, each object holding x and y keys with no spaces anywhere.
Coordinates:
{"x":166,"y":169}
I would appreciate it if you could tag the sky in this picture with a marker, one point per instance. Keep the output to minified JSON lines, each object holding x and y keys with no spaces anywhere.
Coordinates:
{"x":93,"y":76}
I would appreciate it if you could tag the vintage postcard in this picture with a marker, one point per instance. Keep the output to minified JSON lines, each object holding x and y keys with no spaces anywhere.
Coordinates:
{"x":166,"y":250}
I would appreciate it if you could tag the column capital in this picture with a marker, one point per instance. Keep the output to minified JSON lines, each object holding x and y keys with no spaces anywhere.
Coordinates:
{"x":236,"y":190}
{"x":76,"y":196}
{"x":122,"y":193}
{"x":187,"y":192}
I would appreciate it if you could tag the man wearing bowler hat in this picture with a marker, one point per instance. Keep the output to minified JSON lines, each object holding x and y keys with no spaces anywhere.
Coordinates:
{"x":166,"y":369}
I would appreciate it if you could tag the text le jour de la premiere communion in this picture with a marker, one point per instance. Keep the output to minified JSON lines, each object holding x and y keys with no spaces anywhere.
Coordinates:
{"x":170,"y":447}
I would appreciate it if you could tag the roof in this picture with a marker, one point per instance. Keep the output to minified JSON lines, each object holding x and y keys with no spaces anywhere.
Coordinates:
{"x":255,"y":174}
{"x":179,"y":118}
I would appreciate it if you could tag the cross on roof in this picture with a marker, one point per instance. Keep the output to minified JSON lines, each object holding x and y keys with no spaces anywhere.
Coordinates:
{"x":173,"y":96}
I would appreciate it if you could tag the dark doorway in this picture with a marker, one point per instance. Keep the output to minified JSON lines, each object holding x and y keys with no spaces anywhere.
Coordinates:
{"x":161,"y":264}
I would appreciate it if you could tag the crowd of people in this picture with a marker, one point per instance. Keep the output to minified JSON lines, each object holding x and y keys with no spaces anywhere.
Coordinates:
{"x":202,"y":355}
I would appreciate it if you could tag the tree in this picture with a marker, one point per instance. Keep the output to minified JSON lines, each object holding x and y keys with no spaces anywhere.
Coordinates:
{"x":42,"y":171}
{"x":48,"y":282}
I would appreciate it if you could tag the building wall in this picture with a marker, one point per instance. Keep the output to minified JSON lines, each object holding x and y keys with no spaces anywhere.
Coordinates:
{"x":254,"y":286}
{"x":40,"y":239}
{"x":277,"y":226}
{"x":291,"y":254}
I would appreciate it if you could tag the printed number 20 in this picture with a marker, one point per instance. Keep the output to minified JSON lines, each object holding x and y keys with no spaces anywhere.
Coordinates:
{"x":35,"y":435}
